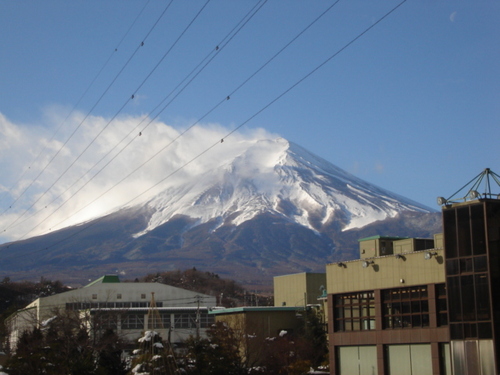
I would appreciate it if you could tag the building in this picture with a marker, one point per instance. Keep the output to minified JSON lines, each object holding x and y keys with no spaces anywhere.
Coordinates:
{"x":472,"y":252}
{"x":254,"y":324}
{"x":109,"y":303}
{"x":299,"y":289}
{"x":422,"y":306}
{"x":305,"y":290}
{"x":388,"y":311}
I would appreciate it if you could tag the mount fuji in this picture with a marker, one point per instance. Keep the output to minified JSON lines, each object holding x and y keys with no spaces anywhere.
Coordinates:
{"x":268,"y":207}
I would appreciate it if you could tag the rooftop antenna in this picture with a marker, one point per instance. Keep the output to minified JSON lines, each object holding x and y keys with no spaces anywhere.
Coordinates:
{"x":472,"y":188}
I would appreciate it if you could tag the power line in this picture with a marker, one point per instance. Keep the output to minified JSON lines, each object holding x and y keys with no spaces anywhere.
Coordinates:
{"x":70,"y":113}
{"x":194,"y":74}
{"x":84,"y":119}
{"x":218,"y":142}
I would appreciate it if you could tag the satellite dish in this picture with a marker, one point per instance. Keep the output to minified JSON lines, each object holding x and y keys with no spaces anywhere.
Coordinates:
{"x":441,"y":201}
{"x":473,"y":194}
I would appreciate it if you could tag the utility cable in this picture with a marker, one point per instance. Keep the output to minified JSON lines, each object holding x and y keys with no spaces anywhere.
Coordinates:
{"x":185,"y":131}
{"x":220,"y":141}
{"x":116,"y":114}
{"x":222,"y":44}
{"x":71,"y":112}
{"x":85,"y":118}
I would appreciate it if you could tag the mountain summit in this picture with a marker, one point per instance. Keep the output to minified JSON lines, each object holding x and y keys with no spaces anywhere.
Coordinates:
{"x":266,"y":207}
{"x":283,"y":179}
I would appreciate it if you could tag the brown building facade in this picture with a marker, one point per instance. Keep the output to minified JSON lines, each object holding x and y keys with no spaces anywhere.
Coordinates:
{"x":388,"y":313}
{"x":418,"y":306}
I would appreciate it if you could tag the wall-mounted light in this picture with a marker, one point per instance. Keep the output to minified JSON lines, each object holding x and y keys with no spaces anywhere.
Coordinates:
{"x":441,"y":201}
{"x":367,"y":263}
{"x":429,"y":254}
{"x":340,"y":264}
{"x":399,"y":256}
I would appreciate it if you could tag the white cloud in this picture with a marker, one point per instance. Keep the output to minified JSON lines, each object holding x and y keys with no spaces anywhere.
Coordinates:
{"x":38,"y":208}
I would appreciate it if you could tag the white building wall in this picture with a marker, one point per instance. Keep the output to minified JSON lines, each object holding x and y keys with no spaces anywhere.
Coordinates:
{"x":172,"y":298}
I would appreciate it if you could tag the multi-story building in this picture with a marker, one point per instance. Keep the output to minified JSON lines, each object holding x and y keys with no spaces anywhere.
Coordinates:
{"x":472,"y":252}
{"x":124,"y":307}
{"x":389,"y":311}
{"x":422,"y":306}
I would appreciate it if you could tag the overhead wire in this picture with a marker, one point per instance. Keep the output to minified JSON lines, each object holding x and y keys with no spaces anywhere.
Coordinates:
{"x":115,"y":115}
{"x":194,"y":74}
{"x":218,"y":142}
{"x":85,"y":118}
{"x":70,"y":113}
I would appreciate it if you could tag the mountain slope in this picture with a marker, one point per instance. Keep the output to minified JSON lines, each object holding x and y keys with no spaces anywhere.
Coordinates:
{"x":269,"y":208}
{"x":281,"y":178}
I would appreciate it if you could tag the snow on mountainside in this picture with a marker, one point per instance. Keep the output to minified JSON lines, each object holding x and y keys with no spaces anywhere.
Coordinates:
{"x":282,"y":178}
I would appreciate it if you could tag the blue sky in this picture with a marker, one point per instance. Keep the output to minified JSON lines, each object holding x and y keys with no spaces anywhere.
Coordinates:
{"x":413,"y":105}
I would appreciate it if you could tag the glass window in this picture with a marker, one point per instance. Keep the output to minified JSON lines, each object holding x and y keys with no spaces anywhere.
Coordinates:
{"x":463,"y":232}
{"x":456,"y":332}
{"x":465,"y":265}
{"x":468,"y":303}
{"x":406,"y":308}
{"x":185,"y":320}
{"x":450,"y":231}
{"x":133,"y":321}
{"x":482,"y":296}
{"x":480,"y":264}
{"x":354,"y":312}
{"x":478,"y":233}
{"x":485,"y":330}
{"x":454,"y":300}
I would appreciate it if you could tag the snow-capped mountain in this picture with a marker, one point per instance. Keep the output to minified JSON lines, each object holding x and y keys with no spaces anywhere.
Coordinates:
{"x":268,"y":207}
{"x":281,"y":178}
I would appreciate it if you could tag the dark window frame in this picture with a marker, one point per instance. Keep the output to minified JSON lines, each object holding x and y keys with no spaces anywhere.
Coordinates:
{"x":354,"y":312}
{"x":405,"y":308}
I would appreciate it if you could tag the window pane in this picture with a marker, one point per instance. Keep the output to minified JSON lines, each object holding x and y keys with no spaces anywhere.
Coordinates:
{"x":452,"y":267}
{"x":480,"y":264}
{"x":468,"y":303}
{"x":454,"y":304}
{"x":466,"y":265}
{"x":478,"y":233}
{"x":450,"y":233}
{"x":482,"y":297}
{"x":463,"y":231}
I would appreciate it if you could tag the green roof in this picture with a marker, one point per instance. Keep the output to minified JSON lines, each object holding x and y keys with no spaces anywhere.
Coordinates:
{"x":382,"y":238}
{"x":105,"y":279}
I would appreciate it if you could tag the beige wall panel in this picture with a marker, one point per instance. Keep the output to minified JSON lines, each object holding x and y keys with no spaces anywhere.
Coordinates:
{"x":385,"y":272}
{"x":298,"y":289}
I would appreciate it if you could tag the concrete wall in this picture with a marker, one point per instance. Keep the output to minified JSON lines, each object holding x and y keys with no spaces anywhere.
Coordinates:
{"x":298,"y":289}
{"x":386,"y":272}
